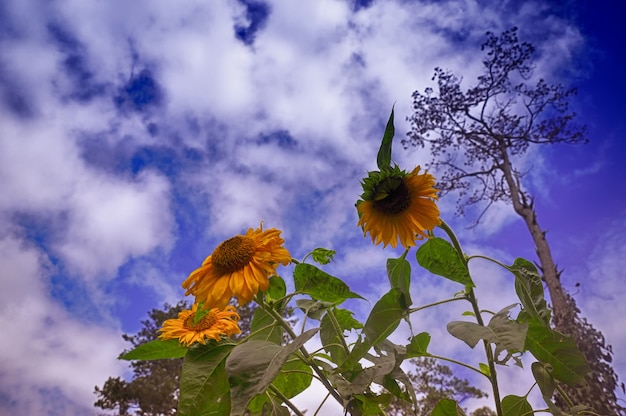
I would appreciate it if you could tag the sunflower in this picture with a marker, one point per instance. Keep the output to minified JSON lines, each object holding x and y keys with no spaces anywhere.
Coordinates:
{"x":239,"y":266}
{"x":213,"y":325}
{"x":397,"y":205}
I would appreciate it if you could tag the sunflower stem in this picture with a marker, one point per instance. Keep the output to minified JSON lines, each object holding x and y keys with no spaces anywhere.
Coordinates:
{"x":286,"y":400}
{"x":419,"y":308}
{"x":307,"y":357}
{"x":478,"y":256}
{"x":335,"y":323}
{"x":450,"y":360}
{"x":471,"y":297}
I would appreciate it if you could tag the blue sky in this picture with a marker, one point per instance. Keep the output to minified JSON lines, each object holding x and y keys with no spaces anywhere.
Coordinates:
{"x":134,"y":137}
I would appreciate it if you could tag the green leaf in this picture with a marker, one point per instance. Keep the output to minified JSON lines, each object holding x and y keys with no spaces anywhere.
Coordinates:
{"x":392,"y":386}
{"x":529,"y":289}
{"x":313,"y":308}
{"x":439,"y":257}
{"x":345,"y":319}
{"x":447,"y":407}
{"x":331,"y":340}
{"x":484,"y":368}
{"x":544,"y":379}
{"x":418,"y":346}
{"x":505,"y":333}
{"x":382,"y":321}
{"x":156,"y":350}
{"x":261,"y":405}
{"x":383,"y":159}
{"x":399,"y":273}
{"x":294,"y":377}
{"x":384,"y":317}
{"x":510,"y":335}
{"x":322,"y":255}
{"x":254,"y":365}
{"x":470,"y":332}
{"x":204,"y":388}
{"x":368,"y":404}
{"x":516,"y":406}
{"x":362,"y":379}
{"x":560,"y":351}
{"x":320,"y":285}
{"x":277,"y":288}
{"x":264,"y":327}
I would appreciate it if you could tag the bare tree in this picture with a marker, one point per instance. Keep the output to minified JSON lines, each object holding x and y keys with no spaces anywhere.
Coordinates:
{"x":476,"y":136}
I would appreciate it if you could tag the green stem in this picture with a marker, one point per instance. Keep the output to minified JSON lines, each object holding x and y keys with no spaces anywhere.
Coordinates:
{"x":419,"y":308}
{"x":450,"y":360}
{"x":471,"y":297}
{"x":564,"y":396}
{"x":324,"y":380}
{"x":321,"y":404}
{"x":338,"y":330}
{"x":478,"y":256}
{"x":286,"y":400}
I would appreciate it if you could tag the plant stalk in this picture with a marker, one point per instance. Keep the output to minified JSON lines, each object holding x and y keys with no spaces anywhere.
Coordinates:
{"x":471,"y":297}
{"x":322,"y":377}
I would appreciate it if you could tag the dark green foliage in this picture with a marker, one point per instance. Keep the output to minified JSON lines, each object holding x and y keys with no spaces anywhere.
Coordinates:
{"x":433,"y":382}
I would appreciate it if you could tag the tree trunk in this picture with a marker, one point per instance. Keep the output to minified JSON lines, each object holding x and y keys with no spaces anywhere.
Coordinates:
{"x":561,"y":308}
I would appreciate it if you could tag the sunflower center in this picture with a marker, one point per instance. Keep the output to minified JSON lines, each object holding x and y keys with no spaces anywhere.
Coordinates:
{"x":206,"y":322}
{"x":396,"y":202}
{"x":233,"y":254}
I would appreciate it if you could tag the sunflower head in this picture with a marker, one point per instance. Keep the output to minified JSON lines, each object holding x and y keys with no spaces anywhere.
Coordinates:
{"x":380,"y":184}
{"x":396,"y":205}
{"x":193,"y":325}
{"x":239,"y":266}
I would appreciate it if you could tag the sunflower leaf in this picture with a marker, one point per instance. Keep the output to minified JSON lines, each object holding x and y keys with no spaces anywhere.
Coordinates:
{"x":447,"y":407}
{"x":399,"y":273}
{"x":156,"y":350}
{"x":323,"y":255}
{"x":320,"y":285}
{"x":529,"y":289}
{"x":544,"y":379}
{"x":439,"y":257}
{"x":204,"y":388}
{"x":568,"y":363}
{"x":331,"y":336}
{"x":294,"y":377}
{"x":384,"y":317}
{"x":264,"y":327}
{"x":277,"y":288}
{"x":254,"y":365}
{"x":516,"y":406}
{"x":418,"y":346}
{"x":384,"y":153}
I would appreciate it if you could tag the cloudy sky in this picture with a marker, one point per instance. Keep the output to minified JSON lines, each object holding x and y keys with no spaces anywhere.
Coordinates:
{"x":136,"y":136}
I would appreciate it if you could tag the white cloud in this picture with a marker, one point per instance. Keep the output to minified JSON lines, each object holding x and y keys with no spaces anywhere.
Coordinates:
{"x":45,"y":349}
{"x":112,"y":220}
{"x":45,"y":173}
